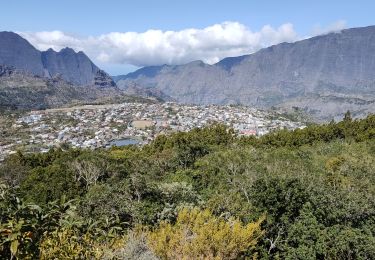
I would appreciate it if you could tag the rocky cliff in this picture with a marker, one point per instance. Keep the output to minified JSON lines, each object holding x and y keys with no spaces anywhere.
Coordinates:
{"x":324,"y":75}
{"x":16,"y":51}
{"x":73,"y":67}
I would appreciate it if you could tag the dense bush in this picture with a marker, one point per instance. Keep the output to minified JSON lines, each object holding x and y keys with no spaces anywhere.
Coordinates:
{"x":195,"y":195}
{"x":200,"y":235}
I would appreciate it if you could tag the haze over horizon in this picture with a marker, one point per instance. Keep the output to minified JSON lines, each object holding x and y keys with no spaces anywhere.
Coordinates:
{"x":117,"y":40}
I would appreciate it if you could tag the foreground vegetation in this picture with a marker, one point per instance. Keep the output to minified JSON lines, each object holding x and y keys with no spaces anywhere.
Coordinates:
{"x":205,"y":194}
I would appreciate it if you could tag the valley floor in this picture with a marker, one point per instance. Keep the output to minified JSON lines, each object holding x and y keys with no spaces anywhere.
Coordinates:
{"x":95,"y":126}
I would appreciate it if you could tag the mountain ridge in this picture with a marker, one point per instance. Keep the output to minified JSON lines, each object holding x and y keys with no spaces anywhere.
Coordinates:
{"x":337,"y":63}
{"x":73,"y":67}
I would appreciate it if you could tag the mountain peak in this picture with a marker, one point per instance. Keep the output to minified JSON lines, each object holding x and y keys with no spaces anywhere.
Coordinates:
{"x":9,"y":33}
{"x":196,"y":63}
{"x":73,"y":67}
{"x":17,"y":52}
{"x":68,"y":50}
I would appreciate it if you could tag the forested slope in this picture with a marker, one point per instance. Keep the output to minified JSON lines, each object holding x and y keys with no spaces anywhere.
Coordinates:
{"x":304,"y":194}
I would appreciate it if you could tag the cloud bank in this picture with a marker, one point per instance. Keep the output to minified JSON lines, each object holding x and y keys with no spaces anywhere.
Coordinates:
{"x":156,"y":47}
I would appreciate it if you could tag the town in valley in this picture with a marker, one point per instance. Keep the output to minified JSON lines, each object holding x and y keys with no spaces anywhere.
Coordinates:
{"x":103,"y":126}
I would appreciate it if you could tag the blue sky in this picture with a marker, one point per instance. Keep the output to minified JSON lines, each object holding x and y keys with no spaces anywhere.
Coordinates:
{"x":81,"y":19}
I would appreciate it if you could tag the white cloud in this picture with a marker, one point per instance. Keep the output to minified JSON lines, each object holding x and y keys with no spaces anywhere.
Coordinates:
{"x":155,"y":47}
{"x":333,"y":27}
{"x":53,"y":39}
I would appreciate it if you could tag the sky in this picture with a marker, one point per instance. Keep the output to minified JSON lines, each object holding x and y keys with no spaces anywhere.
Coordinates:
{"x":120,"y":36}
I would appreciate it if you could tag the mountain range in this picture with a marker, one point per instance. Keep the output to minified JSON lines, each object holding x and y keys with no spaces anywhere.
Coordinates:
{"x":73,"y":67}
{"x":33,"y":79}
{"x":324,"y":75}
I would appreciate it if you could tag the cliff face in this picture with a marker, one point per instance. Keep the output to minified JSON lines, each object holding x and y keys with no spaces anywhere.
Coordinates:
{"x":73,"y":67}
{"x":334,"y":71}
{"x":16,"y":51}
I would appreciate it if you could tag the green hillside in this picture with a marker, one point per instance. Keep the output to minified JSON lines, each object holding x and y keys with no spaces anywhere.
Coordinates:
{"x":204,"y":194}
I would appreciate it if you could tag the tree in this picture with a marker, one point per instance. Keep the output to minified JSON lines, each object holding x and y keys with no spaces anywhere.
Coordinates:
{"x":103,"y":201}
{"x":348,"y":116}
{"x":87,"y":171}
{"x":44,"y":184}
{"x":282,"y":199}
